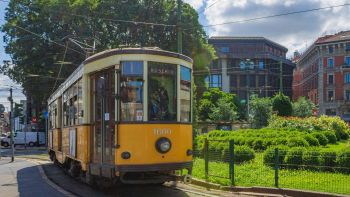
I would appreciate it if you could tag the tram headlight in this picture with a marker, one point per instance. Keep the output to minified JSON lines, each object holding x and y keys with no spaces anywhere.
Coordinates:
{"x":163,"y":145}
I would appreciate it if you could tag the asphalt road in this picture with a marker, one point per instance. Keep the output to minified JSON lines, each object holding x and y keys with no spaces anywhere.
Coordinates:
{"x":23,"y":178}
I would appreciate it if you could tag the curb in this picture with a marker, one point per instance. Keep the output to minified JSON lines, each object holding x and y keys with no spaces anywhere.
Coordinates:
{"x":263,"y":191}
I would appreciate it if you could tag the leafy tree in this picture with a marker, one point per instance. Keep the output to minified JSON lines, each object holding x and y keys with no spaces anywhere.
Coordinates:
{"x":260,"y":110}
{"x":282,"y":105}
{"x":303,"y":107}
{"x":224,"y":111}
{"x":210,"y":103}
{"x":37,"y":33}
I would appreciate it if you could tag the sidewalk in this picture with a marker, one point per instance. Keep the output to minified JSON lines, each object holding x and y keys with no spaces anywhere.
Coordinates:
{"x":22,"y":178}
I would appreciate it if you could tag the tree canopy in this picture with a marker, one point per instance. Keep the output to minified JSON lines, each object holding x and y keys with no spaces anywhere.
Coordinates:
{"x":282,"y":105}
{"x":260,"y":111}
{"x":216,"y":105}
{"x":303,"y":107}
{"x":37,"y":33}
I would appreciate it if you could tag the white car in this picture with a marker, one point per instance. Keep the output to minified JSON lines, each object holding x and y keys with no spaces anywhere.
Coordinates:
{"x":29,"y":138}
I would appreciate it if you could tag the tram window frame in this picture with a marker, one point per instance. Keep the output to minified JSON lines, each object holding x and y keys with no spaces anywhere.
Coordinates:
{"x":72,"y":100}
{"x":159,"y":69}
{"x":132,"y":71}
{"x":53,"y":115}
{"x":185,"y":90}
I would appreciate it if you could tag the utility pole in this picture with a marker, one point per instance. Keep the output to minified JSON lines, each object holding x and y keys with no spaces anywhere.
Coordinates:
{"x":179,"y":28}
{"x":281,"y":77}
{"x":11,"y":127}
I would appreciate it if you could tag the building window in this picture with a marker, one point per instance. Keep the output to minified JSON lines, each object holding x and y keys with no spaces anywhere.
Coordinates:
{"x":347,"y":95}
{"x":330,"y":79}
{"x":261,"y":65}
{"x":215,"y":64}
{"x":331,"y":112}
{"x":330,"y":63}
{"x":347,"y":47}
{"x":347,"y":60}
{"x":347,"y":78}
{"x":252,"y":81}
{"x":225,"y":49}
{"x":215,"y":81}
{"x":242,"y":80}
{"x":330,"y":49}
{"x":330,"y":96}
{"x":233,"y":81}
{"x":261,"y":81}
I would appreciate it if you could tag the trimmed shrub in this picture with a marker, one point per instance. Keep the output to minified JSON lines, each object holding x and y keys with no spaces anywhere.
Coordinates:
{"x":312,"y":159}
{"x":297,"y":142}
{"x":243,"y":154}
{"x":331,"y":137}
{"x":294,"y":157}
{"x":249,"y":142}
{"x":258,"y":144}
{"x":328,"y":160}
{"x":343,"y":161}
{"x":269,"y":155}
{"x":321,"y":138}
{"x":311,"y":140}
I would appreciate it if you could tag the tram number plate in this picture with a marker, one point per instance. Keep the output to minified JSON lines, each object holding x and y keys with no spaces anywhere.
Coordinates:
{"x":162,"y":131}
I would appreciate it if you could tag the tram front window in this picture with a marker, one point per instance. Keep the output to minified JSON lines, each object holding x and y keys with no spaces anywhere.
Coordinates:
{"x":162,"y":91}
{"x":131,"y":91}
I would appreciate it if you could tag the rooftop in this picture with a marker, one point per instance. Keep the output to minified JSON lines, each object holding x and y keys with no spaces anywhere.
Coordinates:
{"x":341,"y":36}
{"x":246,"y":38}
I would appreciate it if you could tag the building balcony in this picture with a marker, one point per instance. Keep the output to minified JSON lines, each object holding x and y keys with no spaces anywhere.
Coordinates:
{"x":345,"y":67}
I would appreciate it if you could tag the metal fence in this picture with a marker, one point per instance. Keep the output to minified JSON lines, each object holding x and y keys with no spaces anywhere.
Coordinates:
{"x":309,"y":171}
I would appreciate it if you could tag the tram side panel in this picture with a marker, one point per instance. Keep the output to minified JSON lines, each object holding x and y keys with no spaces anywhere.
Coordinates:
{"x":83,"y":146}
{"x":140,"y":139}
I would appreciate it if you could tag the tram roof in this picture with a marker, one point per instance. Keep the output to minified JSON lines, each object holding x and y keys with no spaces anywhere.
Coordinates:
{"x":145,"y":50}
{"x":78,"y":73}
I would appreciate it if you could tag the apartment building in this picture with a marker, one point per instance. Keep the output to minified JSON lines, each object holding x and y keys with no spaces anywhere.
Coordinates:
{"x":250,"y":65}
{"x":323,"y":75}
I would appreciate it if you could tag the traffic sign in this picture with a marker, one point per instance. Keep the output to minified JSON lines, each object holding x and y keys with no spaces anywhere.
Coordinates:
{"x":2,"y":116}
{"x":34,"y":120}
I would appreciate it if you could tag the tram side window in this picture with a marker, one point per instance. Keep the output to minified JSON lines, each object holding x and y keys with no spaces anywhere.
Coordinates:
{"x":131,"y":91}
{"x":185,"y":94}
{"x":72,"y":102}
{"x":80,"y":102}
{"x":162,"y":91}
{"x":65,"y":109}
{"x":52,"y":116}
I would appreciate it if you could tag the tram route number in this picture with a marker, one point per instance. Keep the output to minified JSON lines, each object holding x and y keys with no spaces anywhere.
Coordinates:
{"x":162,"y":131}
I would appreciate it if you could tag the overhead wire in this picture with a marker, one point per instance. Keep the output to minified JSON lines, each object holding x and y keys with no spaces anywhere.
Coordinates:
{"x":272,"y":16}
{"x":209,"y":6}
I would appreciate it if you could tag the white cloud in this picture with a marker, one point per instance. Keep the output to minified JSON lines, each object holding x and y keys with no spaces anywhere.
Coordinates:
{"x":293,"y":31}
{"x":196,"y":4}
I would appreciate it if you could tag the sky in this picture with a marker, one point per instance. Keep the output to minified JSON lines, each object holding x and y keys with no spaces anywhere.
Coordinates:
{"x":296,"y":32}
{"x":6,"y":82}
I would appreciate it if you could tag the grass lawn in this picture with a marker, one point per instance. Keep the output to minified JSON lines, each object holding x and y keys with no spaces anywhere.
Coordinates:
{"x":255,"y":173}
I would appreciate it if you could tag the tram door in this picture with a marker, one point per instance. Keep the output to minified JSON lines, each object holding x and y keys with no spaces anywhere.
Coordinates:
{"x":103,"y":112}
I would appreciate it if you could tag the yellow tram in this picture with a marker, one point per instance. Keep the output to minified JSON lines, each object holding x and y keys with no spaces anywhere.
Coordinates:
{"x":124,"y":114}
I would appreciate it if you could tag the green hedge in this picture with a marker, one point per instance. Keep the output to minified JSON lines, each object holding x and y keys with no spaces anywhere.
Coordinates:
{"x":311,"y":159}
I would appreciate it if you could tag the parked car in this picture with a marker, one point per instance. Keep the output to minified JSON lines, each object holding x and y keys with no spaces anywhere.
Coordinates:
{"x":28,"y":138}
